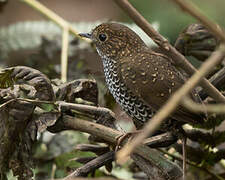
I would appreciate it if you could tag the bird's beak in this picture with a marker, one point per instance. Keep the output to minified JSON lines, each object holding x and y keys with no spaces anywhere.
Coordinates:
{"x":86,"y":35}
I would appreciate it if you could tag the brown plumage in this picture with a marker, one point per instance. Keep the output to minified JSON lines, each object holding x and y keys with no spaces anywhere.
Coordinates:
{"x":140,"y":79}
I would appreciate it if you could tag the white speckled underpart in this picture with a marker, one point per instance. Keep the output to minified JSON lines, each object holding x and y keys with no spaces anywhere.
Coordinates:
{"x":131,"y":104}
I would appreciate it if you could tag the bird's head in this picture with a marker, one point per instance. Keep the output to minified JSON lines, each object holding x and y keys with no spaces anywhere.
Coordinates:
{"x":115,"y":40}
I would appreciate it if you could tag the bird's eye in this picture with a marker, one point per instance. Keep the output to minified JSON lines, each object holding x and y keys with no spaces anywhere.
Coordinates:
{"x":102,"y":37}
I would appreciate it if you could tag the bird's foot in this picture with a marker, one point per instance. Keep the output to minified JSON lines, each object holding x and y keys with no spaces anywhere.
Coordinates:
{"x":122,"y":137}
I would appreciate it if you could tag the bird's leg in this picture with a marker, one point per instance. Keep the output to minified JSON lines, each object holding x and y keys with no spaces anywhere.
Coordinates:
{"x":121,"y":138}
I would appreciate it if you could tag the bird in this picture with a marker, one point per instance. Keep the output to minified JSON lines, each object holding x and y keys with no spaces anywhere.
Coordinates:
{"x":140,"y":79}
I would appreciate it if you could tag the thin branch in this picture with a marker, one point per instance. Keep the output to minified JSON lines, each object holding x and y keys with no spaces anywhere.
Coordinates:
{"x":35,"y":101}
{"x":51,"y":15}
{"x":97,"y":149}
{"x":218,"y":80}
{"x":165,"y":139}
{"x":191,"y":9}
{"x":93,"y":110}
{"x":172,"y":103}
{"x":184,"y":140}
{"x":6,"y":103}
{"x":66,"y":27}
{"x":53,"y":171}
{"x":105,"y":116}
{"x":64,"y":53}
{"x":178,"y":58}
{"x":192,"y":164}
{"x":162,"y":140}
{"x":210,"y":108}
{"x":162,"y":166}
{"x":92,"y":165}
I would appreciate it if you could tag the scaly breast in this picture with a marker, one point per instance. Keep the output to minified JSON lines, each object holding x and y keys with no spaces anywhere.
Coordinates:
{"x":131,"y":104}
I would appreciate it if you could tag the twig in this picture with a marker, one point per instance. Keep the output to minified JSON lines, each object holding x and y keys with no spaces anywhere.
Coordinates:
{"x":105,"y":116}
{"x":64,"y":53}
{"x":162,"y":140}
{"x":6,"y":103}
{"x":148,"y":168}
{"x":184,"y":157}
{"x":97,"y":149}
{"x":162,"y":166}
{"x":189,"y":7}
{"x":92,"y":165}
{"x":192,"y":164}
{"x":210,"y":108}
{"x":154,"y":141}
{"x":52,"y":16}
{"x":218,"y":80}
{"x":93,"y":110}
{"x":35,"y":101}
{"x":172,"y":103}
{"x":66,"y":27}
{"x":53,"y":171}
{"x":178,"y":58}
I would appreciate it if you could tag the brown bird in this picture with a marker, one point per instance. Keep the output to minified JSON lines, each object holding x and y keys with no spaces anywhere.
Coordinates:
{"x":140,"y":80}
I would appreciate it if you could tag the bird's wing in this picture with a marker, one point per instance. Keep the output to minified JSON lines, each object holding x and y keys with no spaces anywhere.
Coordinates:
{"x":153,"y":78}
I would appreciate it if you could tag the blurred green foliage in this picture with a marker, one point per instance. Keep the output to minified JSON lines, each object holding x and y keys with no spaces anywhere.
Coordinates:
{"x":172,"y":20}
